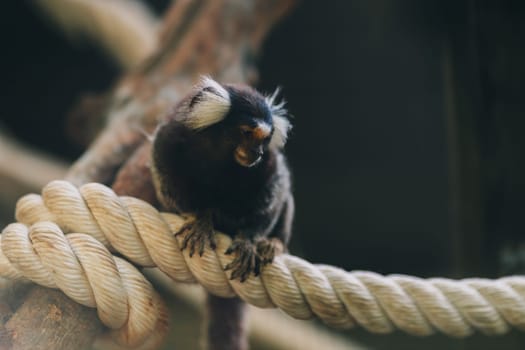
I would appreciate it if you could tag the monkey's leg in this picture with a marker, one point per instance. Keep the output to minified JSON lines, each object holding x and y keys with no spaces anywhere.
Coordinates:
{"x":198,"y":232}
{"x":251,"y":256}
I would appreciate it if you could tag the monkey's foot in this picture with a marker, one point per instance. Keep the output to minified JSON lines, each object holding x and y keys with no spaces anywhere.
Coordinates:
{"x":267,"y":248}
{"x":198,"y":232}
{"x":251,"y":256}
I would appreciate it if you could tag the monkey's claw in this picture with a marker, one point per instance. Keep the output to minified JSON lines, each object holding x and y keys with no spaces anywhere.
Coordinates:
{"x":250,"y":256}
{"x":197,"y":232}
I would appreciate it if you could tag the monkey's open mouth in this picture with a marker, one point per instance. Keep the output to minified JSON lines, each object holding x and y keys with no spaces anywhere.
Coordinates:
{"x":246,"y":159}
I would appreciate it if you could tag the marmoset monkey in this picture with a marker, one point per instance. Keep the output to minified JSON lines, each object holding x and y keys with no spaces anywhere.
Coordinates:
{"x":218,"y":156}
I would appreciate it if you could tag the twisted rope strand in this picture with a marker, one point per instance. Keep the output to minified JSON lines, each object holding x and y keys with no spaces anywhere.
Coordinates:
{"x":135,"y":229}
{"x":85,"y":270}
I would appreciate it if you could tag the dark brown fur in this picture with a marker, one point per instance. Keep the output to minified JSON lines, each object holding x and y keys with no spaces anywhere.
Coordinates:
{"x":195,"y":172}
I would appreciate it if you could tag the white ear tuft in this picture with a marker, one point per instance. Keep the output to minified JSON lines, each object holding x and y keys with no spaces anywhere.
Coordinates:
{"x":281,"y":124}
{"x":208,"y":105}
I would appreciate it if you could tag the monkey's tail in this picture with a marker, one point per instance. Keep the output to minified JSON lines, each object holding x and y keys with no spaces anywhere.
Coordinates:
{"x":226,"y":326}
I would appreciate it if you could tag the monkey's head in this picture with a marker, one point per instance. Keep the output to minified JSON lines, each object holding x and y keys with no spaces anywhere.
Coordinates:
{"x":234,"y":120}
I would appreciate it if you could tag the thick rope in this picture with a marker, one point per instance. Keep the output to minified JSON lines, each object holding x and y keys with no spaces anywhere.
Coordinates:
{"x":89,"y":274}
{"x":85,"y":270}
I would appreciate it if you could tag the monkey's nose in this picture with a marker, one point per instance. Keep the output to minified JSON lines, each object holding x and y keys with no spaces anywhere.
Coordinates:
{"x":257,"y":133}
{"x":261,"y":132}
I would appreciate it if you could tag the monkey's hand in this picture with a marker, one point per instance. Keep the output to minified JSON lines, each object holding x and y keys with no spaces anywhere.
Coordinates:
{"x":251,"y":256}
{"x":198,"y":231}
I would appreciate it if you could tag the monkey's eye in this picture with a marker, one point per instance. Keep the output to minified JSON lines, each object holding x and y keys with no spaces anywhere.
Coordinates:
{"x":246,"y":131}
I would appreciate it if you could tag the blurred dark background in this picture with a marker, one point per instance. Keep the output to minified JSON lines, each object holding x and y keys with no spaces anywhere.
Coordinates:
{"x":407,"y":150}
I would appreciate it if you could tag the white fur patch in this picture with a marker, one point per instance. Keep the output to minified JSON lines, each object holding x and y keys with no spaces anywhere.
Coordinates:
{"x":281,"y":124}
{"x":211,"y":105}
